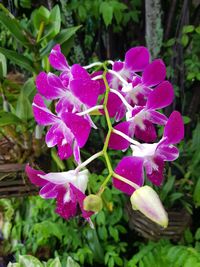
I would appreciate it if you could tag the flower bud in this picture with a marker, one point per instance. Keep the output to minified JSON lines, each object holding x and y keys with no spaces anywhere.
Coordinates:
{"x":93,"y":203}
{"x":146,"y":200}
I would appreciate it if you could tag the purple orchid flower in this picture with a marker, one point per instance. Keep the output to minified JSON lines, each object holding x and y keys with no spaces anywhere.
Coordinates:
{"x":133,"y":87}
{"x":136,"y":60}
{"x":140,"y":119}
{"x":151,"y":156}
{"x":68,"y":131}
{"x":74,"y":89}
{"x":68,"y":188}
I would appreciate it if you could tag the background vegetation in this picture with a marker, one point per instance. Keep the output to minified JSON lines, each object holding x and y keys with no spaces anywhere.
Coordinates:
{"x":31,"y":234}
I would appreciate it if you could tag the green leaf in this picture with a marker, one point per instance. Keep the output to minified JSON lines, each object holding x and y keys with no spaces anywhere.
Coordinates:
{"x":40,"y":15}
{"x":3,"y":66}
{"x":167,"y":187}
{"x":61,"y":38}
{"x":17,"y":59}
{"x":7,"y":118}
{"x":14,"y":28}
{"x":184,"y":40}
{"x":170,"y":42}
{"x":186,"y":119}
{"x":10,"y":264}
{"x":197,"y":29}
{"x":95,"y":246}
{"x":188,"y":29}
{"x":24,"y":107}
{"x":114,"y":233}
{"x":55,"y":263}
{"x":48,"y":229}
{"x":71,"y":263}
{"x":53,"y":25}
{"x":107,"y":12}
{"x":29,"y":261}
{"x":57,"y":160}
{"x":197,"y":234}
{"x":196,"y":194}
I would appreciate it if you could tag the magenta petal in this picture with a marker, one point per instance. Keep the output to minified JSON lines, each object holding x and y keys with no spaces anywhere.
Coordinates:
{"x":76,"y":152}
{"x":148,"y":134}
{"x":79,"y":72}
{"x":156,"y":175}
{"x":174,"y":129}
{"x":113,"y":104}
{"x":41,"y":113}
{"x":118,"y":66}
{"x":64,"y":151}
{"x":57,"y":59}
{"x":157,"y":118}
{"x":33,"y":176}
{"x":49,"y":85}
{"x":85,"y":90}
{"x":102,"y":87}
{"x":80,"y":198}
{"x":117,"y":142}
{"x":54,"y":135}
{"x":137,"y":58}
{"x":66,"y":210}
{"x":162,"y":96}
{"x":64,"y":105}
{"x":168,"y":153}
{"x":130,"y":168}
{"x":50,"y":190}
{"x":154,"y":73}
{"x":79,"y":126}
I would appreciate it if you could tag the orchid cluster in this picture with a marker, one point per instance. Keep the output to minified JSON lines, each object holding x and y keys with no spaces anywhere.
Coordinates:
{"x":132,"y":92}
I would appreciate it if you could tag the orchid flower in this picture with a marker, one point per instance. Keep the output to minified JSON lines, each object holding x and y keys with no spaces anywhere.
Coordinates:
{"x":68,"y":131}
{"x":74,"y":89}
{"x":134,"y":88}
{"x":151,"y":156}
{"x":68,"y":188}
{"x":141,"y":119}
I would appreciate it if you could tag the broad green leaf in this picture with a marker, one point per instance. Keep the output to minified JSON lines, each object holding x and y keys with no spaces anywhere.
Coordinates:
{"x":40,"y":15}
{"x":10,"y":264}
{"x":61,"y":38}
{"x":53,"y":25}
{"x":184,"y":40}
{"x":197,"y":29}
{"x":170,"y":42}
{"x":3,"y":66}
{"x":14,"y":28}
{"x":186,"y":119}
{"x":71,"y":263}
{"x":24,"y":107}
{"x":107,"y":12}
{"x":95,"y":246}
{"x":17,"y":59}
{"x":188,"y":28}
{"x":29,"y":261}
{"x":25,"y":3}
{"x":197,"y":234}
{"x":29,"y":89}
{"x":55,"y":263}
{"x":7,"y":118}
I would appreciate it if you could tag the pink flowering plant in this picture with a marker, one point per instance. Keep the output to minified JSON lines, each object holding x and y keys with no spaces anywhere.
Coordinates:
{"x":132,"y":93}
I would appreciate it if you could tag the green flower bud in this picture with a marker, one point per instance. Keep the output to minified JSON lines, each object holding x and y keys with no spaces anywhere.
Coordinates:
{"x":146,"y":200}
{"x":93,"y":203}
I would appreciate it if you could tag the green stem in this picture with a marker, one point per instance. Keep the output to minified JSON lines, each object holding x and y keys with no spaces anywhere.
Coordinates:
{"x":41,"y":29}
